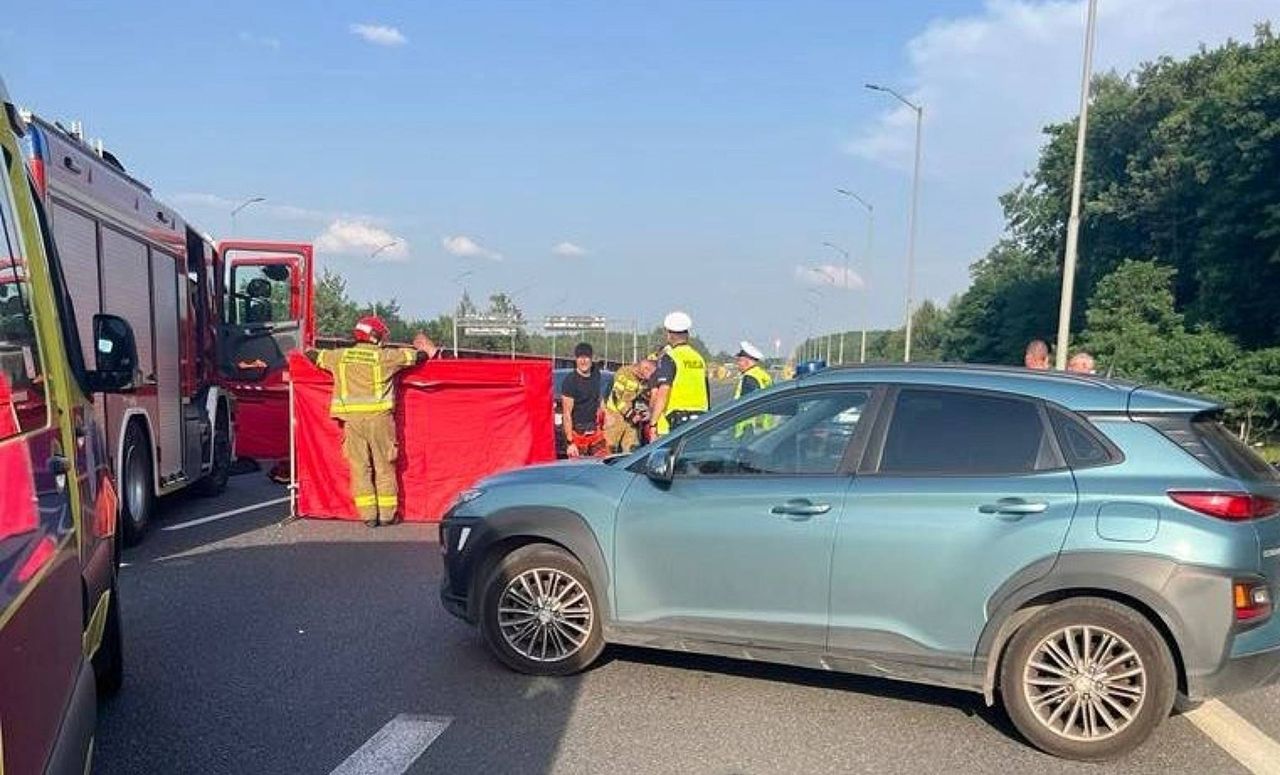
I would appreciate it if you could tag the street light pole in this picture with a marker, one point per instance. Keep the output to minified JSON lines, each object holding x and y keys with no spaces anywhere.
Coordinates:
{"x":1073,"y":223}
{"x":847,"y":270}
{"x":236,"y":210}
{"x":381,"y":248}
{"x":866,"y":259}
{"x":912,"y":217}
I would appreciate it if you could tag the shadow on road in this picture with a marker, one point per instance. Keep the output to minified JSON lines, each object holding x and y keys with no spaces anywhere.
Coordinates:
{"x":969,"y":703}
{"x":287,"y":657}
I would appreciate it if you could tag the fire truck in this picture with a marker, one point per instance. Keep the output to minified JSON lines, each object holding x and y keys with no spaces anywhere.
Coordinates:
{"x":213,"y":322}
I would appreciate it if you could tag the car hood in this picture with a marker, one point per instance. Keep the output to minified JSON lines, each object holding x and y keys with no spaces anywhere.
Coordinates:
{"x":559,"y":471}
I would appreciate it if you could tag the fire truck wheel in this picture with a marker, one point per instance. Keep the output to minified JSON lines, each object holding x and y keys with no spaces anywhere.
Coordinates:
{"x":216,"y":480}
{"x":136,"y":496}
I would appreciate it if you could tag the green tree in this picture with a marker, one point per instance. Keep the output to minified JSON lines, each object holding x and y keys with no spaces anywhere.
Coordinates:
{"x":1135,"y":332}
{"x":335,"y":312}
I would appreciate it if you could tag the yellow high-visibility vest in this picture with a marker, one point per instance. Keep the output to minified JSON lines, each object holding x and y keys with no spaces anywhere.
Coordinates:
{"x":689,"y":389}
{"x":761,"y":377}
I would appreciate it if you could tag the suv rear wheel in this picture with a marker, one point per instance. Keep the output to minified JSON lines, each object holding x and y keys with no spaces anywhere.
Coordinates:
{"x":539,"y":612}
{"x":1087,"y":679}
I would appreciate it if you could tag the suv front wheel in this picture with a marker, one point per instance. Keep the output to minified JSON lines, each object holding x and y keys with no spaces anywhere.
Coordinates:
{"x":1087,"y":679}
{"x":539,"y":613}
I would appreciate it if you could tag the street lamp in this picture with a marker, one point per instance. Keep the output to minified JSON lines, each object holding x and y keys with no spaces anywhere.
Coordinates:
{"x":915,"y":201}
{"x":844,"y":253}
{"x":236,"y":210}
{"x":866,"y":260}
{"x":1073,"y":222}
{"x":381,"y":248}
{"x":457,"y":280}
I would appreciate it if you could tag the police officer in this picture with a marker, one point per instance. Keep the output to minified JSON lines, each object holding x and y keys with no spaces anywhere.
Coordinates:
{"x":752,"y":376}
{"x":364,"y":403}
{"x":681,"y":385}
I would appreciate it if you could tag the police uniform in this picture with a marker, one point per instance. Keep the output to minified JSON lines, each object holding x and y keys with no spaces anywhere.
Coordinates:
{"x":749,"y":381}
{"x":754,"y":378}
{"x":364,"y":402}
{"x":684,"y":370}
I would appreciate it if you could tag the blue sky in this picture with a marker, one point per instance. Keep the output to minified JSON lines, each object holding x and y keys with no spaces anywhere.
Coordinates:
{"x":619,"y":158}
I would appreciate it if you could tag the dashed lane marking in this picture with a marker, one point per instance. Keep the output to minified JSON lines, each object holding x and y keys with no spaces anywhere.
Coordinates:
{"x":225,"y":514}
{"x":394,"y":748}
{"x":1233,"y":734}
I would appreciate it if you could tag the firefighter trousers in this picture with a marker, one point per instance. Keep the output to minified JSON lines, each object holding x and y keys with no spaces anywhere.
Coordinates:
{"x":369,"y":443}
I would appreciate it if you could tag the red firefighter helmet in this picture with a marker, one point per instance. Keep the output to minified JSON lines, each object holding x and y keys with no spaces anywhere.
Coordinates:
{"x":370,"y":328}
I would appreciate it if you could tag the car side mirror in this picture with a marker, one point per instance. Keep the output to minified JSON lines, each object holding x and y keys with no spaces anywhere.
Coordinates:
{"x":115,"y":354}
{"x":660,"y":465}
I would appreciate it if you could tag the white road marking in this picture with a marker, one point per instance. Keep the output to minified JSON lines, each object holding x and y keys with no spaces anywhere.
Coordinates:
{"x":394,"y":748}
{"x":1233,"y":734}
{"x":225,"y":514}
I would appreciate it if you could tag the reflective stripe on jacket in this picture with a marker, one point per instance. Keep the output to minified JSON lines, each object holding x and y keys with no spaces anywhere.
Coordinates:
{"x":363,"y":377}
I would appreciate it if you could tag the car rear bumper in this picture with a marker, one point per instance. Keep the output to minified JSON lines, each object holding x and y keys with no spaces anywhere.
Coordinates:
{"x":1239,"y":674}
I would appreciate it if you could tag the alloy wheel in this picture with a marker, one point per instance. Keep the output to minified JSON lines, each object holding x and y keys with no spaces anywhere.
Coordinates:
{"x":545,"y":615}
{"x":1085,"y":683}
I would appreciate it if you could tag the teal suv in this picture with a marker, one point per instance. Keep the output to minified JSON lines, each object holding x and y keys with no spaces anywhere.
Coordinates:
{"x":1086,"y":551}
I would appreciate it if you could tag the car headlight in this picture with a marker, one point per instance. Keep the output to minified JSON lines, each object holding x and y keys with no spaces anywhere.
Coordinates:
{"x":466,"y":496}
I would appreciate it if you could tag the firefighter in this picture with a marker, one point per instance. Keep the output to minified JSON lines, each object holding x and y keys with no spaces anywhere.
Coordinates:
{"x":626,"y":411}
{"x":364,"y":403}
{"x":682,"y":387}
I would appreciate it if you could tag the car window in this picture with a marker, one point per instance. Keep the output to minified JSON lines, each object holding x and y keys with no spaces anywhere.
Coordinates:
{"x":1081,"y":446}
{"x":807,"y":434}
{"x":22,"y":404}
{"x":261,"y":293}
{"x":940,"y":432}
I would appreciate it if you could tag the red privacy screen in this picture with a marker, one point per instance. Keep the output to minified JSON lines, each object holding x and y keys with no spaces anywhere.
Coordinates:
{"x":457,"y":421}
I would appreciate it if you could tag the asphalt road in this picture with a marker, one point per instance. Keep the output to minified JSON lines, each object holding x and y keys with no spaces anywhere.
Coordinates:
{"x":258,"y":647}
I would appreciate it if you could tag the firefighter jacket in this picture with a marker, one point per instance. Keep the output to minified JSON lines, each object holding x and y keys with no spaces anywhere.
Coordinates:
{"x":363,"y":377}
{"x":627,"y":387}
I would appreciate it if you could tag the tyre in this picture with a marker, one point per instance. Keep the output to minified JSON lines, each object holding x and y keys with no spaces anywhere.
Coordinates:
{"x":137,"y":499}
{"x":539,"y":612}
{"x":1087,"y":679}
{"x":215,"y":482}
{"x":108,"y":663}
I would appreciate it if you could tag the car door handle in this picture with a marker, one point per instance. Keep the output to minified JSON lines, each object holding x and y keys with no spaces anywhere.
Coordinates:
{"x":800,"y":509}
{"x":1014,"y":506}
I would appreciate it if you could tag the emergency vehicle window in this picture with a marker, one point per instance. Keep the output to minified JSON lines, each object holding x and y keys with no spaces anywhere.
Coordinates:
{"x":802,"y":435}
{"x":261,"y":294}
{"x":22,"y":405}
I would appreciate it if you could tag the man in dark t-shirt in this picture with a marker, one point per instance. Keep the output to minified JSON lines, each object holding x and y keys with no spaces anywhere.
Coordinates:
{"x":580,"y":406}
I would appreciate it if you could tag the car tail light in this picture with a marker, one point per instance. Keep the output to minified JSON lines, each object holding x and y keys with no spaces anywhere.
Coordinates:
{"x":1252,"y":600}
{"x":1231,"y":506}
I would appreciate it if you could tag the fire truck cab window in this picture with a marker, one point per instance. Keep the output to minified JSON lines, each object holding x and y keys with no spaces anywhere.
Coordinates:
{"x":261,"y":294}
{"x":22,"y":404}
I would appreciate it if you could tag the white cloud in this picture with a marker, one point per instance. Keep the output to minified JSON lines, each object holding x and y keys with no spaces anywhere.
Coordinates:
{"x":360,"y":238}
{"x":379,"y":34}
{"x":253,"y":39}
{"x":465,"y":247}
{"x":824,"y":275}
{"x":569,"y":250}
{"x":990,"y":81}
